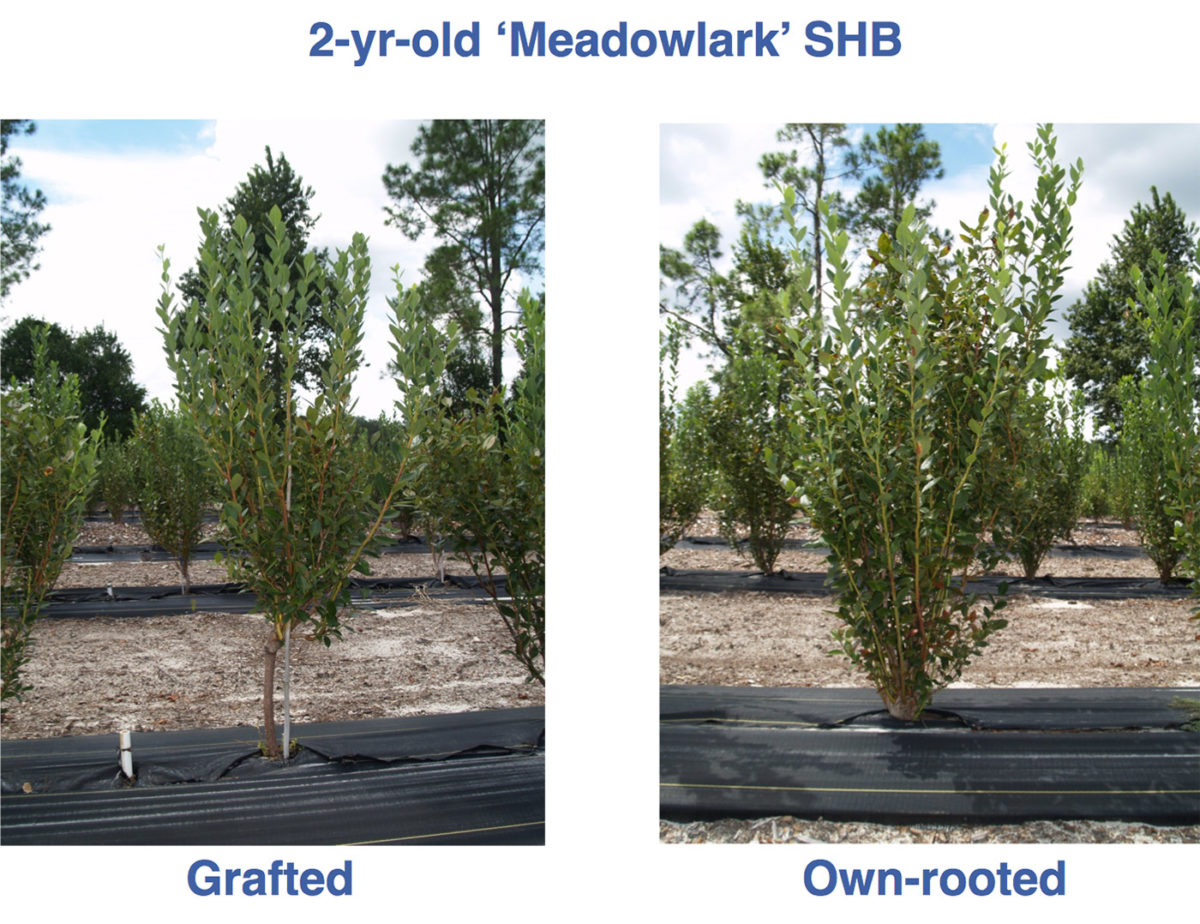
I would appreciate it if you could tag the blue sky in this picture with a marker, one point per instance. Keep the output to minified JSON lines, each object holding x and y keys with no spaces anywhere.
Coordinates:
{"x":117,"y":189}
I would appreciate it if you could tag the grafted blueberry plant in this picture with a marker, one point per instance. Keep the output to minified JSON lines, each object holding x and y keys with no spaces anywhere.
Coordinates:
{"x":296,"y":492}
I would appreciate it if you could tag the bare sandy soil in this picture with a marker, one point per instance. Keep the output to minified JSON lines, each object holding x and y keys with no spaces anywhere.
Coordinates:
{"x":205,"y":670}
{"x":1088,"y":534}
{"x":756,"y":639}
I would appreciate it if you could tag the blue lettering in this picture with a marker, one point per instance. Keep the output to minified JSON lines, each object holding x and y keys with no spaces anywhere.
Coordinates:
{"x":562,"y":43}
{"x":1058,"y":873}
{"x":617,"y":51}
{"x":830,"y":873}
{"x":721,"y":45}
{"x":212,"y":884}
{"x":363,"y":48}
{"x":343,"y":875}
{"x":824,"y":44}
{"x":588,"y":44}
{"x":649,"y":43}
{"x":885,"y":32}
{"x":956,"y":890}
{"x":431,"y":46}
{"x":845,"y":38}
{"x":897,"y":885}
{"x":764,"y":42}
{"x":534,"y":44}
{"x":857,"y":882}
{"x":676,"y":42}
{"x":466,"y":41}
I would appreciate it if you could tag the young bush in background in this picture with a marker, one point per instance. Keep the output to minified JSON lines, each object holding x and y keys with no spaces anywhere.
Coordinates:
{"x":118,"y":480}
{"x":747,"y":425}
{"x":1047,"y":489}
{"x":382,"y":446}
{"x":1166,"y":427}
{"x":684,"y":461}
{"x":175,"y":483}
{"x":296,"y":493}
{"x":1143,"y":443}
{"x":901,"y":421}
{"x":482,"y":479}
{"x":48,"y":467}
{"x":1106,"y":484}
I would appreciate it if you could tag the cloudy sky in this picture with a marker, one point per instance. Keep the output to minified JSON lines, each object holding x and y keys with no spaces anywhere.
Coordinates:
{"x":705,"y":169}
{"x":116,"y":190}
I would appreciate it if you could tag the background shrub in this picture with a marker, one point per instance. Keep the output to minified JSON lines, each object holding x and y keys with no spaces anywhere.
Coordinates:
{"x":175,"y":482}
{"x":747,"y":428}
{"x":47,"y":470}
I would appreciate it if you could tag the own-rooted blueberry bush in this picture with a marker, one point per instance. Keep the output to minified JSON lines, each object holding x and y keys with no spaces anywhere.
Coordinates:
{"x":909,"y":390}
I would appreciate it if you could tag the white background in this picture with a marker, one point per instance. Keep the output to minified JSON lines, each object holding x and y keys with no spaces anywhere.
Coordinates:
{"x":961,"y":61}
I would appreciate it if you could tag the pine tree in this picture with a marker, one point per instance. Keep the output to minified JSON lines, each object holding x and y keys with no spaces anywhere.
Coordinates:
{"x":1107,"y":343}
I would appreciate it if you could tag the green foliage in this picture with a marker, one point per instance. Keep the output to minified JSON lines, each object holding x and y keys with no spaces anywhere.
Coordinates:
{"x":175,"y":483}
{"x":296,"y":494}
{"x":19,"y":208}
{"x":103,"y":366}
{"x":47,"y":469}
{"x":714,"y":305}
{"x":1047,"y":490}
{"x":445,"y":296}
{"x":383,"y":448}
{"x":831,"y":158}
{"x":1163,"y":420}
{"x":700,"y":306}
{"x":480,"y":479}
{"x":1108,"y":483}
{"x":746,"y":427}
{"x":266,"y":188}
{"x":1107,"y":342}
{"x":1150,"y":476}
{"x":898,"y":162}
{"x":908,"y":395}
{"x":684,"y":462}
{"x":480,"y":187}
{"x":118,"y":481}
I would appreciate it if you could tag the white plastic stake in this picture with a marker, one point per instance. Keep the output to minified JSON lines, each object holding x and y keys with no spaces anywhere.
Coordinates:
{"x":126,"y":755}
{"x":287,"y":690}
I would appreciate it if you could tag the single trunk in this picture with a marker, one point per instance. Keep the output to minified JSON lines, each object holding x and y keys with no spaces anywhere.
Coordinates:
{"x":904,"y":706}
{"x":269,"y":650}
{"x":186,"y":583}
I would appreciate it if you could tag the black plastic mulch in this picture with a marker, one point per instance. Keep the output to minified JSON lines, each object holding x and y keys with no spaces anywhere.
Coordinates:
{"x":463,"y":778}
{"x":811,"y":583}
{"x":1061,"y":550}
{"x":204,"y":551}
{"x":981,"y":756}
{"x":83,"y":602}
